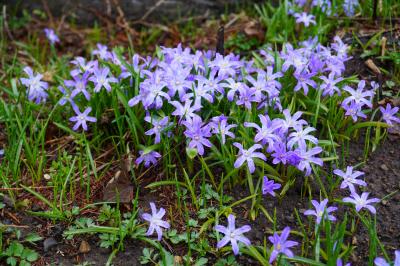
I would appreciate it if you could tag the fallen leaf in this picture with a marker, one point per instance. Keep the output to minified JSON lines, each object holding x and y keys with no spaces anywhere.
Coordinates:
{"x":84,"y":247}
{"x":372,"y":66}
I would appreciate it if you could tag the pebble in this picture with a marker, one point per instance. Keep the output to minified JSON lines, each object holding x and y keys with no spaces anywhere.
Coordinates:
{"x":384,"y":167}
{"x":48,"y":243}
{"x":7,"y":200}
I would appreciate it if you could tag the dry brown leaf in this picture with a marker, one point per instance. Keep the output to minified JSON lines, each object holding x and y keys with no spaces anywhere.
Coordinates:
{"x":372,"y":66}
{"x":84,"y":247}
{"x":120,"y":186}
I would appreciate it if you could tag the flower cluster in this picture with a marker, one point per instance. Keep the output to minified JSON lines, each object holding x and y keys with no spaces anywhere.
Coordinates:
{"x":350,"y":181}
{"x":178,"y":89}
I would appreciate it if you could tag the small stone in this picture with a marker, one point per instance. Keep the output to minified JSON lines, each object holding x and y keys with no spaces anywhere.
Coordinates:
{"x":384,"y":167}
{"x":354,"y":241}
{"x":384,"y":202}
{"x":84,"y":247}
{"x":7,"y":200}
{"x":47,"y":176}
{"x":48,"y":243}
{"x":36,"y":207}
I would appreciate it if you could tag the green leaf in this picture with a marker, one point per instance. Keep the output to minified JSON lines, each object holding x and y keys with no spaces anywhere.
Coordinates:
{"x":30,"y":255}
{"x":33,"y":237}
{"x":11,"y":261}
{"x":15,"y":249}
{"x":201,"y":261}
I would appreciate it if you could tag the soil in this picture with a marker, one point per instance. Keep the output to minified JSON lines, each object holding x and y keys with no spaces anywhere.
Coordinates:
{"x":381,"y":173}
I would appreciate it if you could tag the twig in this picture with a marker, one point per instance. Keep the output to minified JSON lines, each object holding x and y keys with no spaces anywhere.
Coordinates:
{"x":6,"y":23}
{"x":159,"y":3}
{"x":48,"y":12}
{"x":15,"y":226}
{"x":124,"y":23}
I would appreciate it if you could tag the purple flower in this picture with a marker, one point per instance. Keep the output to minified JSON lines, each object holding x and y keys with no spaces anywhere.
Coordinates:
{"x":325,"y":5}
{"x":234,"y":87}
{"x":80,"y":85}
{"x":340,"y":47}
{"x":358,"y":96}
{"x":281,"y":244}
{"x":148,"y":157}
{"x":198,"y":133}
{"x":66,"y":97}
{"x":125,"y":73}
{"x":293,"y":57}
{"x":82,"y":118}
{"x":273,"y":86}
{"x":308,"y":157}
{"x":382,"y":262}
{"x":247,"y":96}
{"x":267,"y":133}
{"x":362,"y":201}
{"x":335,"y":65}
{"x":159,"y":124}
{"x":248,"y":155}
{"x":316,"y":64}
{"x":51,"y":36}
{"x":281,"y":155}
{"x":303,"y":81}
{"x":374,"y":86}
{"x":233,"y":235}
{"x":339,"y":262}
{"x":226,"y":65}
{"x":349,"y":7}
{"x":35,"y":86}
{"x":329,"y":85}
{"x":101,"y":79}
{"x":354,"y":110}
{"x":186,"y":110}
{"x":350,"y":178}
{"x":389,"y":114}
{"x":177,"y":55}
{"x":199,"y":92}
{"x":177,"y":78}
{"x":266,"y":83}
{"x":83,"y":66}
{"x":321,"y":211}
{"x":305,"y":19}
{"x":212,"y":83}
{"x":155,"y":220}
{"x":310,"y":43}
{"x":300,"y":3}
{"x":220,"y":126}
{"x":269,"y":186}
{"x":300,"y":136}
{"x":151,"y":92}
{"x":102,"y":51}
{"x":292,"y":121}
